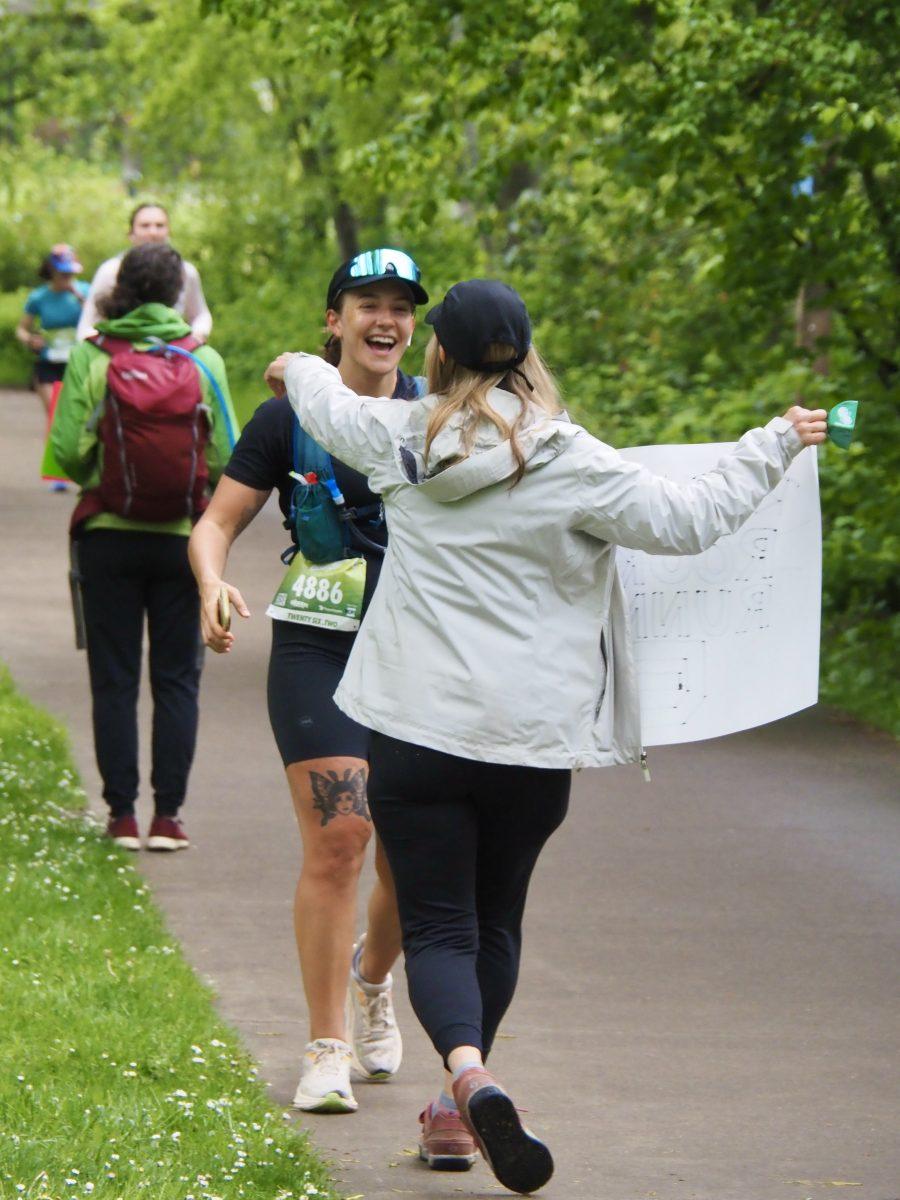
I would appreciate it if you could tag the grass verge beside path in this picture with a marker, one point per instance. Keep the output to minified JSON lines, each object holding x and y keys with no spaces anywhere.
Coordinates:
{"x":117,"y":1077}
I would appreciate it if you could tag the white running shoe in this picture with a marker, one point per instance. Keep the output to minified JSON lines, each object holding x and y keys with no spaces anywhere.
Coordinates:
{"x":325,"y":1078}
{"x":372,"y":1026}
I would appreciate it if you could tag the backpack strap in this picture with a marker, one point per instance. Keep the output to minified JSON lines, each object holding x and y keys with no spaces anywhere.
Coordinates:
{"x":308,"y":455}
{"x":311,"y":458}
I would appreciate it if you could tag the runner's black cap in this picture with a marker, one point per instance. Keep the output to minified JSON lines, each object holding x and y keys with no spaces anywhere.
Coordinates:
{"x":374,"y":266}
{"x":474,"y":315}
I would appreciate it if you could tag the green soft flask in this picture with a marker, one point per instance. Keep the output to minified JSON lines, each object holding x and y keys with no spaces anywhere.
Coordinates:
{"x":842,"y":422}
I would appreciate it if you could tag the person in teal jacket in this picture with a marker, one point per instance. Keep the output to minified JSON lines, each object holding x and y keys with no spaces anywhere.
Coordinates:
{"x":137,"y":570}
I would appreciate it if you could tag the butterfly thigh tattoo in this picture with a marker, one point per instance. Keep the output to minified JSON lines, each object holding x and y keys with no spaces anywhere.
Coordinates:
{"x":340,"y":795}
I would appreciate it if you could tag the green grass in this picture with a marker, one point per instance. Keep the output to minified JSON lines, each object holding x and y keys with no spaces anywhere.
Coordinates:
{"x":117,"y":1077}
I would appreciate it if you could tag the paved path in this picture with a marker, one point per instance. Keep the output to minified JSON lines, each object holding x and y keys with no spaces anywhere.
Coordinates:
{"x":708,"y":1005}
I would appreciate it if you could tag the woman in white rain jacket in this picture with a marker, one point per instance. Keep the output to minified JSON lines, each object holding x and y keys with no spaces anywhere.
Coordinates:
{"x":495,"y":655}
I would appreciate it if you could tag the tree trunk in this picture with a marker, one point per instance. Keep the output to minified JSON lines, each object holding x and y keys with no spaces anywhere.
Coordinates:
{"x":347,"y":229}
{"x":813,"y":323}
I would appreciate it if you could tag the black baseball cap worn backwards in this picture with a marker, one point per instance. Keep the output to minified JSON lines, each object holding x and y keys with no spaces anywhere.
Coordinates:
{"x":374,"y":266}
{"x":477,"y":313}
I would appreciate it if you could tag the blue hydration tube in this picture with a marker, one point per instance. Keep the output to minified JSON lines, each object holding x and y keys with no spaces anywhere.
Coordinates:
{"x":158,"y":346}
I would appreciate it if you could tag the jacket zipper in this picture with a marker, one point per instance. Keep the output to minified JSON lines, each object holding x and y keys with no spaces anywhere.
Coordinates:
{"x":645,"y":766}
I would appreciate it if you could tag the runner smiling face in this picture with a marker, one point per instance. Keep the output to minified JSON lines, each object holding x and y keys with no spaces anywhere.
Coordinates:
{"x":374,"y":324}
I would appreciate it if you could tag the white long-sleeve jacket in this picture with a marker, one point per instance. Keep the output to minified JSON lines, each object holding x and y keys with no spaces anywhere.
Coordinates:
{"x":499,"y":631}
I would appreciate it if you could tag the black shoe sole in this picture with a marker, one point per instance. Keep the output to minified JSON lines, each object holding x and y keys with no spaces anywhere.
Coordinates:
{"x":520,"y":1162}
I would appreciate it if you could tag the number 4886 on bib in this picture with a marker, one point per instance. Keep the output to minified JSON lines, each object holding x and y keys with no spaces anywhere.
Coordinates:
{"x":329,"y":595}
{"x":312,"y":587}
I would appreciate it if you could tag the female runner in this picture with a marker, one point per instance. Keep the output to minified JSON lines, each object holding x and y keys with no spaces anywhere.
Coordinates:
{"x":51,"y":315}
{"x":370,"y":315}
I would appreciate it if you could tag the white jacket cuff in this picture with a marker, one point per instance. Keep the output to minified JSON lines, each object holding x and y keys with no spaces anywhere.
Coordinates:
{"x":295,"y":371}
{"x":788,"y":438}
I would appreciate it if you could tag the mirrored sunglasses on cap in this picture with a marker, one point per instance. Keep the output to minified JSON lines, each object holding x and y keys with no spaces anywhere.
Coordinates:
{"x":384,"y":262}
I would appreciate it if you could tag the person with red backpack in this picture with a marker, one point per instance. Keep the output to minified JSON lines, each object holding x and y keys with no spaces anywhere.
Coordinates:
{"x":144,"y":425}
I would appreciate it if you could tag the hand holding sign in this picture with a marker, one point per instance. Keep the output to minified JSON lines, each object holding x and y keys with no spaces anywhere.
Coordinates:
{"x":810,"y":424}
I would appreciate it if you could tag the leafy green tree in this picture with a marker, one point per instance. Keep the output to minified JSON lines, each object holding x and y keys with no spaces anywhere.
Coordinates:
{"x":661,"y":178}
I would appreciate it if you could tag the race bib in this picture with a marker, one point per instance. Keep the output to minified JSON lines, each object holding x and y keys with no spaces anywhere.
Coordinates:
{"x":329,"y":595}
{"x":59,"y":344}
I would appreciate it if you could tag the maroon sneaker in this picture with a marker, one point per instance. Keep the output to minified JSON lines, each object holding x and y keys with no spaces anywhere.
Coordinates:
{"x":520,"y":1161}
{"x":124,"y":831}
{"x":167,"y":833}
{"x":445,"y":1143}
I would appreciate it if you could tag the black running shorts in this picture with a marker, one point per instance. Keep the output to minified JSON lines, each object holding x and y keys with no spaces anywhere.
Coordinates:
{"x":49,"y":372}
{"x":303,"y":678}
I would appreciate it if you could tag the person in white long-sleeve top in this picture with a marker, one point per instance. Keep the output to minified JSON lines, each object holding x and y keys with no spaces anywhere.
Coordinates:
{"x":495,"y":656}
{"x":149,"y":223}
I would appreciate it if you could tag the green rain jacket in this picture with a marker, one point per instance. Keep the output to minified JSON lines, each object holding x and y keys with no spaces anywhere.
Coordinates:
{"x":73,"y":437}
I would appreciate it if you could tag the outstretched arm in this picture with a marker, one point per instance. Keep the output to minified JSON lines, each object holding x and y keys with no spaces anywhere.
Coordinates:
{"x":624,"y":503}
{"x":330,"y":412}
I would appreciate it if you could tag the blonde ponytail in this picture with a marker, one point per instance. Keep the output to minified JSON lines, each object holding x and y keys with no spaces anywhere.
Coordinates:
{"x":462,"y":390}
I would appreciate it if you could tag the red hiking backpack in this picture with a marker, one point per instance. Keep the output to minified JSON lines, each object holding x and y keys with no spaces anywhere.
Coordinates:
{"x":153,"y":427}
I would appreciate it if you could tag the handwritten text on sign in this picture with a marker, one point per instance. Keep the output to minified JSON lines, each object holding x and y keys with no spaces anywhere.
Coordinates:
{"x":729,"y":638}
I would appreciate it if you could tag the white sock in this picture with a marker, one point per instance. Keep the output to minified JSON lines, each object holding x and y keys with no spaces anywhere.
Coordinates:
{"x":467,"y":1067}
{"x":371,"y":989}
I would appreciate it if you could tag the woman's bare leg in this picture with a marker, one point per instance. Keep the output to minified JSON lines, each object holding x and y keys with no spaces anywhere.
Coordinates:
{"x":329,"y":800}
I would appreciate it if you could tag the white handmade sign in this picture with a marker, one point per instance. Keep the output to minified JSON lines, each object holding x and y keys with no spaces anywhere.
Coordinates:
{"x":729,"y":638}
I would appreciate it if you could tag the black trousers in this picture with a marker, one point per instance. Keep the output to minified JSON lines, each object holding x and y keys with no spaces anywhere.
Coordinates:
{"x":462,"y":839}
{"x":127,"y":576}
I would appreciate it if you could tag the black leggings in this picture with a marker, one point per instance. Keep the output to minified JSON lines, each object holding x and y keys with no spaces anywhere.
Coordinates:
{"x":462,"y":839}
{"x":129,"y":576}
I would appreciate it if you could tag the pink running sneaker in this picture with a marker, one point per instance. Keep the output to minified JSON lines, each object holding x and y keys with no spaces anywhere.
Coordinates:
{"x":124,"y":831}
{"x":520,"y":1161}
{"x":167,"y":833}
{"x":445,"y":1143}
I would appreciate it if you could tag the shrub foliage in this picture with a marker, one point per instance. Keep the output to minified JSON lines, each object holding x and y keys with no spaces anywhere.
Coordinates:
{"x":664,"y":180}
